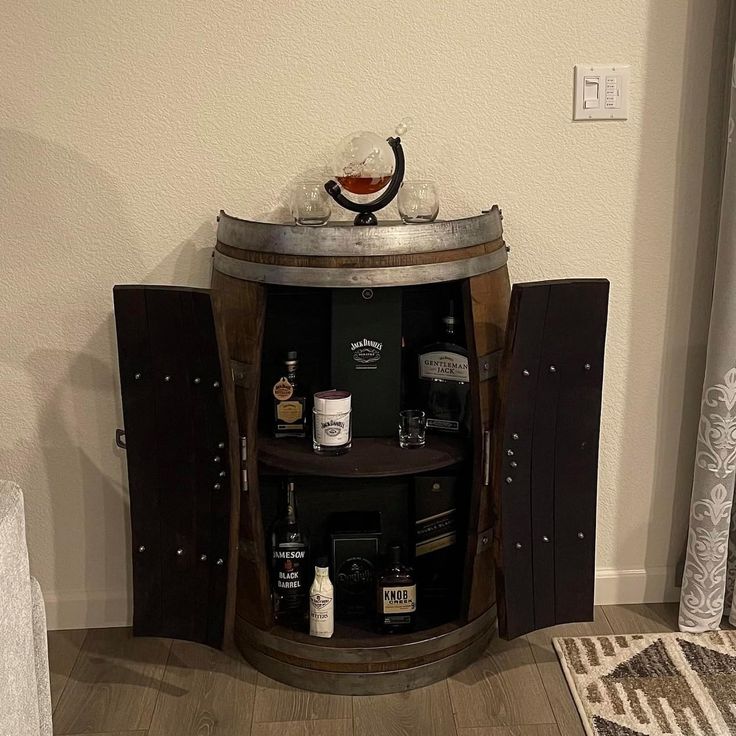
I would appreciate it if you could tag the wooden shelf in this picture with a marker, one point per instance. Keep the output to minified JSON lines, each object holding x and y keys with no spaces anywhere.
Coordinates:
{"x":361,"y":634}
{"x":368,"y":457}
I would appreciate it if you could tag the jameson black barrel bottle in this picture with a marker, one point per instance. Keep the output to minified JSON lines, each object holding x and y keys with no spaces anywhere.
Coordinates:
{"x":289,"y":408}
{"x":290,"y":572}
{"x":396,"y":602}
{"x":444,"y":383}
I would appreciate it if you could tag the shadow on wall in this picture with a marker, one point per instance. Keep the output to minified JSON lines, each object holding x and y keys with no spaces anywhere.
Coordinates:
{"x":67,"y":239}
{"x":695,"y":225}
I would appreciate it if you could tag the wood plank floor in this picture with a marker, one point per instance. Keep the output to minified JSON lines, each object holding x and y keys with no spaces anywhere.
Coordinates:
{"x":105,"y":682}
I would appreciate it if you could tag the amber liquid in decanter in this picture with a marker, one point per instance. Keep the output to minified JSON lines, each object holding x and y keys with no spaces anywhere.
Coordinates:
{"x":363,"y":184}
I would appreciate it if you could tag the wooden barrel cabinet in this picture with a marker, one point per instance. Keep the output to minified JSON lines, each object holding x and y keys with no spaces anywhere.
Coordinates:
{"x":271,"y":291}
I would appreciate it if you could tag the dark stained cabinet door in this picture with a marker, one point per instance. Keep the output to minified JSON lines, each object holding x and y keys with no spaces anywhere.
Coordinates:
{"x":545,"y":458}
{"x":177,"y":452}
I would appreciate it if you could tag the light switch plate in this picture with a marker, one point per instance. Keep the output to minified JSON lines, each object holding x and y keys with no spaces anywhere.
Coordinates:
{"x":601,"y":92}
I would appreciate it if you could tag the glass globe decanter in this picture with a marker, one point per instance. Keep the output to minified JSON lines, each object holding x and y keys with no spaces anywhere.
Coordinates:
{"x":363,"y":163}
{"x":366,"y":164}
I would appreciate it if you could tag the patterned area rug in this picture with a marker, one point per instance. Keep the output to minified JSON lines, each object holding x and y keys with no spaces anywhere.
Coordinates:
{"x":647,"y":685}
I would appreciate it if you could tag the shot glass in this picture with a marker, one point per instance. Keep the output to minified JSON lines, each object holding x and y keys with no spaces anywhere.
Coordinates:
{"x":418,"y":201}
{"x":412,"y":428}
{"x":310,"y":203}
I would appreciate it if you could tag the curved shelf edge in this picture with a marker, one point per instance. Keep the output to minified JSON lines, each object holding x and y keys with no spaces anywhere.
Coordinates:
{"x":387,"y":238}
{"x":369,"y":457}
{"x":389,"y":665}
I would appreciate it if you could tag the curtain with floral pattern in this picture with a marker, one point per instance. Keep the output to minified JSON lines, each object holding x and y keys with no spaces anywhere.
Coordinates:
{"x":710,"y":566}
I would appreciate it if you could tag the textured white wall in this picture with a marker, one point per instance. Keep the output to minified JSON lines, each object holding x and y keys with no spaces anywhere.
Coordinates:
{"x":125,"y":126}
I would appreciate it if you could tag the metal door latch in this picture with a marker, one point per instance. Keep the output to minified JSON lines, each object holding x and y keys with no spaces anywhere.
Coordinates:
{"x":120,"y":439}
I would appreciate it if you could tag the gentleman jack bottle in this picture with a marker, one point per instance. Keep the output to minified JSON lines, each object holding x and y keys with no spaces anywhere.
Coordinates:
{"x":289,"y":552}
{"x":444,"y":381}
{"x":396,"y":602}
{"x":289,"y":409}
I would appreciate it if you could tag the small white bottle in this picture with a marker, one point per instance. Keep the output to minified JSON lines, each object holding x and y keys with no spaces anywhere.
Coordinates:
{"x":321,"y":601}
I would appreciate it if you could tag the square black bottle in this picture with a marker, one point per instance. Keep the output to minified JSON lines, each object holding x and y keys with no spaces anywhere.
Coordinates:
{"x":396,"y":599}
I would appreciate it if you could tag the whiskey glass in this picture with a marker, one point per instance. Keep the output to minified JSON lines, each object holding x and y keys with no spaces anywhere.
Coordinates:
{"x":412,"y":428}
{"x":310,"y":203}
{"x":418,"y":201}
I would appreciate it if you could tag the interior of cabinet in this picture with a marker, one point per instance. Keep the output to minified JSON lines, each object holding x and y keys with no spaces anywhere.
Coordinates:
{"x":375,"y":475}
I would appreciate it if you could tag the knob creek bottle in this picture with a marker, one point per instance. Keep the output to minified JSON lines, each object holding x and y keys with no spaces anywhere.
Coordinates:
{"x":396,"y":603}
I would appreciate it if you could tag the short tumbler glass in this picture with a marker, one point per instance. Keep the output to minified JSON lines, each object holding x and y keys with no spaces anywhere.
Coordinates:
{"x":412,"y":428}
{"x":418,"y":201}
{"x":310,"y":203}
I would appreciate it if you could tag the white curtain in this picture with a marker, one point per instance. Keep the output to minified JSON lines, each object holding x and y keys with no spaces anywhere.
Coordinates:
{"x":710,"y":566}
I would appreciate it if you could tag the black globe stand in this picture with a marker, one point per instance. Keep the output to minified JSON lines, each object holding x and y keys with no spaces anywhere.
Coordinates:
{"x":365,"y":210}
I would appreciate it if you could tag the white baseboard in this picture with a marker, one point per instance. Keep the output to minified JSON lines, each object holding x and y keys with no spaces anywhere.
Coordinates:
{"x":110,"y":608}
{"x":88,"y":609}
{"x":646,"y":585}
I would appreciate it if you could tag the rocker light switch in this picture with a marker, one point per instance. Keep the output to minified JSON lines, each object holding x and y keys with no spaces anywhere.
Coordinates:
{"x":601,"y":92}
{"x":591,"y":90}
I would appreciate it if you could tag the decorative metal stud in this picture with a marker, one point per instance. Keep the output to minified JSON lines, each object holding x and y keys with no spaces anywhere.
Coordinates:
{"x":484,"y":540}
{"x":545,"y":539}
{"x":486,"y":366}
{"x":216,"y":384}
{"x":217,"y":486}
{"x":203,"y":558}
{"x":222,"y":474}
{"x":518,"y":545}
{"x":142,"y":548}
{"x":509,"y":479}
{"x":216,"y":459}
{"x":220,"y":562}
{"x":220,"y":445}
{"x":514,"y":436}
{"x":513,"y":463}
{"x":167,"y":378}
{"x":179,"y":552}
{"x":197,"y":380}
{"x":525,"y":372}
{"x":587,"y":366}
{"x":581,"y":535}
{"x":510,"y":453}
{"x":137,"y":377}
{"x":552,"y":369}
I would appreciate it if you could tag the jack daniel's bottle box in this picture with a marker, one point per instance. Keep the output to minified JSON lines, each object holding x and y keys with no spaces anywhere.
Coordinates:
{"x":289,"y":569}
{"x":444,"y":381}
{"x":366,"y":356}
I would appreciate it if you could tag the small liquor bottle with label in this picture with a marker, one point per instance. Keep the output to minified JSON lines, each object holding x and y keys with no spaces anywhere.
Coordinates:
{"x":289,"y":409}
{"x":396,"y":602}
{"x":321,"y":602}
{"x":289,"y":552}
{"x":444,"y":383}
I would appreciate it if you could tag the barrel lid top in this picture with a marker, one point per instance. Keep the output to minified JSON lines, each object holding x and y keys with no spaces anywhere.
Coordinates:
{"x":345,"y":239}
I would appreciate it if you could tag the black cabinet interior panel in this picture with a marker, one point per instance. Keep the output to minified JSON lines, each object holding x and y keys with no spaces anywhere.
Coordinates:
{"x":177,"y":454}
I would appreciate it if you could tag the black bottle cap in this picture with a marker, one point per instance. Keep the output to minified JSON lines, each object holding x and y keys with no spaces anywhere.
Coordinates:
{"x":321,"y":562}
{"x":396,"y":554}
